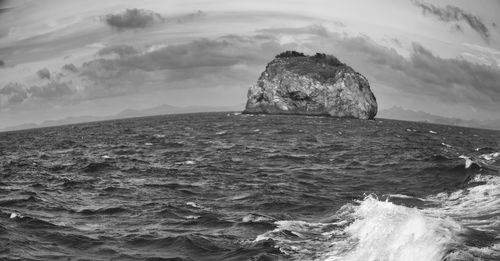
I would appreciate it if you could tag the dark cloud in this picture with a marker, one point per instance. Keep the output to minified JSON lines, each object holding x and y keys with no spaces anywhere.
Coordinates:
{"x":205,"y":62}
{"x":454,"y":14}
{"x":223,"y":52}
{"x":43,"y":73}
{"x":132,"y":19}
{"x":70,"y":68}
{"x":199,"y":53}
{"x":2,"y":63}
{"x":3,"y":6}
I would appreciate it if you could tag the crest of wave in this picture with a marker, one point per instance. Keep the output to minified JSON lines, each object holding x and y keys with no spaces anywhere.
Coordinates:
{"x":374,"y":230}
{"x":385,"y":231}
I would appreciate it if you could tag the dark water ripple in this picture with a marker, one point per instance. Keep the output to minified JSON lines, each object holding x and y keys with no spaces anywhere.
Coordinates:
{"x":205,"y":186}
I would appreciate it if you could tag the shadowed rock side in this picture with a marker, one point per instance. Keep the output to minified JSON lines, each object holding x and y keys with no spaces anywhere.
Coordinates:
{"x":294,"y":83}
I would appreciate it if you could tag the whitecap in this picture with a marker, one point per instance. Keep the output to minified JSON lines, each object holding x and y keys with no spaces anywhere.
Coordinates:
{"x":487,"y":161}
{"x":446,"y":145}
{"x":468,"y":161}
{"x":192,"y":204}
{"x":385,"y":231}
{"x":374,"y":230}
{"x":404,"y":196}
{"x":253,"y":218}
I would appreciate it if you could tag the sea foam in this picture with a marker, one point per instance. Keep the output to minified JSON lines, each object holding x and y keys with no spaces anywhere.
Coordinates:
{"x":385,"y":231}
{"x":371,"y":231}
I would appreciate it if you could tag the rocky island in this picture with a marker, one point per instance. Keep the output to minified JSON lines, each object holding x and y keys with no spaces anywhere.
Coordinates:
{"x":294,"y":83}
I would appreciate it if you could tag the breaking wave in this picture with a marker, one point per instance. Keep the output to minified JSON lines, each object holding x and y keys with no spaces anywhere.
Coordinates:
{"x":461,"y":225}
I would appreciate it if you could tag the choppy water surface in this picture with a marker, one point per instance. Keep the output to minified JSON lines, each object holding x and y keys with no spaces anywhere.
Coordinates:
{"x":225,"y":186}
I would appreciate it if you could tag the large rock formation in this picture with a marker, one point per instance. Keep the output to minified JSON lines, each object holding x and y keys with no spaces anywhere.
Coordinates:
{"x":294,"y":83}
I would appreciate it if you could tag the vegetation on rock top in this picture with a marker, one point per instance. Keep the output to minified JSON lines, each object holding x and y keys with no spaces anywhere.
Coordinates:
{"x":321,"y":67}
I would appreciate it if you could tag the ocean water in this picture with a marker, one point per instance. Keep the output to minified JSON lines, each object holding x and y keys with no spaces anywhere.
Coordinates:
{"x":226,"y":186}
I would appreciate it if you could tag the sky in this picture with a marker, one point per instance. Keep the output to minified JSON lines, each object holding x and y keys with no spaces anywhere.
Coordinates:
{"x":74,"y":58}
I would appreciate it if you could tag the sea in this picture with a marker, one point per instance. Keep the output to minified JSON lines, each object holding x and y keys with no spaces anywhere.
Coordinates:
{"x":230,"y":186}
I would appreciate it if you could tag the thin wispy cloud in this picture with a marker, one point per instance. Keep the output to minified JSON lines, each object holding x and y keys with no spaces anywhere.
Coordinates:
{"x":452,"y":14}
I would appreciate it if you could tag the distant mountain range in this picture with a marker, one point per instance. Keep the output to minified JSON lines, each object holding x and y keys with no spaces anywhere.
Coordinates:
{"x":396,"y":113}
{"x":129,"y":113}
{"x":399,"y":113}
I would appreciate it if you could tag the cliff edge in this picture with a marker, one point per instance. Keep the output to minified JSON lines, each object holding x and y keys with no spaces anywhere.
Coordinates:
{"x":294,"y":83}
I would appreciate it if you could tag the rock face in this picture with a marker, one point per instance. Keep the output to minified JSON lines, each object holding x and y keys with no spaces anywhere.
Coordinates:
{"x":294,"y":83}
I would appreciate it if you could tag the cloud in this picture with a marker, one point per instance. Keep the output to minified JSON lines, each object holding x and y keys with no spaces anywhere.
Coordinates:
{"x":199,"y":53}
{"x":16,"y":93}
{"x":315,"y":29}
{"x":43,"y":73}
{"x":228,"y":60}
{"x":187,"y":17}
{"x":120,"y":50}
{"x":3,"y":6}
{"x":70,"y":68}
{"x":51,"y":90}
{"x":202,"y":53}
{"x":454,"y":14}
{"x":12,"y":93}
{"x":2,"y":63}
{"x":133,"y":19}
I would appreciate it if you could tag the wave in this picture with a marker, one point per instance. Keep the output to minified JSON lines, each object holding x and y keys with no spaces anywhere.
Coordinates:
{"x":32,"y":222}
{"x":103,"y":211}
{"x":13,"y":201}
{"x":193,"y":243}
{"x":96,"y":167}
{"x":458,"y":225}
